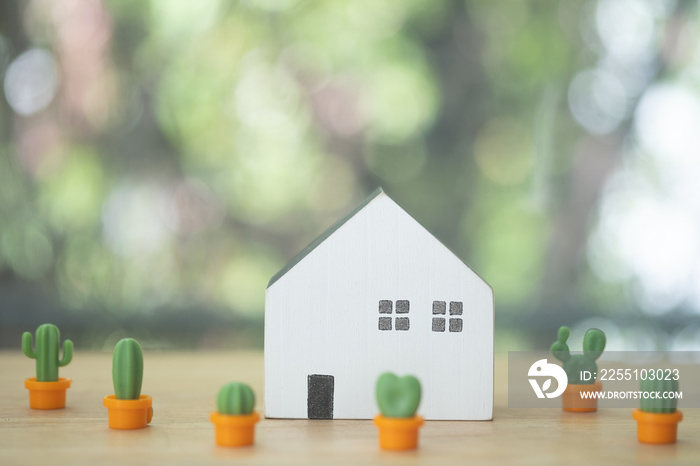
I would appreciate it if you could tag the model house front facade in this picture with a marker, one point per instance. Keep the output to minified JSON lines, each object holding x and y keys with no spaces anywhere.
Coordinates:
{"x":377,"y":293}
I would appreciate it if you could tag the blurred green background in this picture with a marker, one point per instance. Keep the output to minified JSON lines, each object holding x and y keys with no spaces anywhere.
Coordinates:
{"x":160,"y":160}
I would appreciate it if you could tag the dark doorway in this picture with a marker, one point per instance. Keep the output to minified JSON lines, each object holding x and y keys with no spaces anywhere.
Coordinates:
{"x":319,"y":400}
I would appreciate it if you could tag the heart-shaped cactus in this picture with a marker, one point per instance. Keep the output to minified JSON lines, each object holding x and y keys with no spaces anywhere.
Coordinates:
{"x":235,"y":399}
{"x":398,"y":397}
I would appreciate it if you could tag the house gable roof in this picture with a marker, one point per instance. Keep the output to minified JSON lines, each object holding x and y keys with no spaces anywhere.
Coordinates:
{"x":333,"y":228}
{"x":322,"y":237}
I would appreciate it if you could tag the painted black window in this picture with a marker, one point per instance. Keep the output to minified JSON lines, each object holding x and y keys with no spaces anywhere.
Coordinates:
{"x":455,"y":321}
{"x":401,"y":323}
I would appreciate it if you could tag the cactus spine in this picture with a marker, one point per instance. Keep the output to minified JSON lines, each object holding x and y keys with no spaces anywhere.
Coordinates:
{"x":654,"y":388}
{"x":235,"y":399}
{"x":593,"y":346}
{"x":46,"y":354}
{"x":127,"y":369}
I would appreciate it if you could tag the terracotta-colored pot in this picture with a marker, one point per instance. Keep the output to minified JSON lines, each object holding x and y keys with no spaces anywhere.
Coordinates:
{"x":573,"y":402}
{"x":47,"y":395}
{"x":233,"y":430}
{"x":398,"y":433}
{"x":128,"y":414}
{"x":658,"y":428}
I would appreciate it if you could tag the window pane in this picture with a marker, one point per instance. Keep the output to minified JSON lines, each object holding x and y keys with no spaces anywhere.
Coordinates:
{"x":438,"y":324}
{"x":455,"y":308}
{"x":402,"y":307}
{"x":402,"y":323}
{"x":385,"y":306}
{"x":439,"y":307}
{"x":385,"y":323}
{"x":455,"y":325}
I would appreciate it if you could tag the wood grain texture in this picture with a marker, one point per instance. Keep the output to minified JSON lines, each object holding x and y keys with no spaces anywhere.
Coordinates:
{"x":324,"y":317}
{"x":184,"y":387}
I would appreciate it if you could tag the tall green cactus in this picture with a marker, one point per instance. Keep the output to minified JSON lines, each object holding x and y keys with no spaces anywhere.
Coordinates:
{"x":655,"y":403}
{"x":593,"y":346}
{"x":46,"y":354}
{"x":127,"y":369}
{"x":235,"y":399}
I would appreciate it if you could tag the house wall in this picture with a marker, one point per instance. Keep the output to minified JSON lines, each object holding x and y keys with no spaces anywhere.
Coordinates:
{"x":321,"y":317}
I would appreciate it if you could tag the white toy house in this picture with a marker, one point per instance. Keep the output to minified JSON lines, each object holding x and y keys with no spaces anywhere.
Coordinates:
{"x":377,"y":292}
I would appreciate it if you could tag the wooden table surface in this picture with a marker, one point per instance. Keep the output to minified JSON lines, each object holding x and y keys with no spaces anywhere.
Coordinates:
{"x":184,"y":386}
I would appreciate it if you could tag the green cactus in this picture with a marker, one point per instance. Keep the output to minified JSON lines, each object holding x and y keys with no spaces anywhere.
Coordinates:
{"x":46,"y":354}
{"x":593,"y":346}
{"x":398,"y":397}
{"x":127,"y":369}
{"x":658,"y":405}
{"x":235,"y":399}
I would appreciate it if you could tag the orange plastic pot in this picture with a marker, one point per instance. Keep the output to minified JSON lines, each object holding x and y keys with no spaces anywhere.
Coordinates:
{"x":573,"y":402}
{"x":47,"y":395}
{"x":234,"y":431}
{"x":398,"y":433}
{"x":129,"y":414}
{"x":658,"y":428}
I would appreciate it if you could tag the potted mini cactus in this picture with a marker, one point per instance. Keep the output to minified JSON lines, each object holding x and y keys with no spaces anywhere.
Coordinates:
{"x":235,"y":419}
{"x":127,"y":408}
{"x":398,"y":399}
{"x":47,"y":390}
{"x":657,"y":417}
{"x":581,"y":369}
